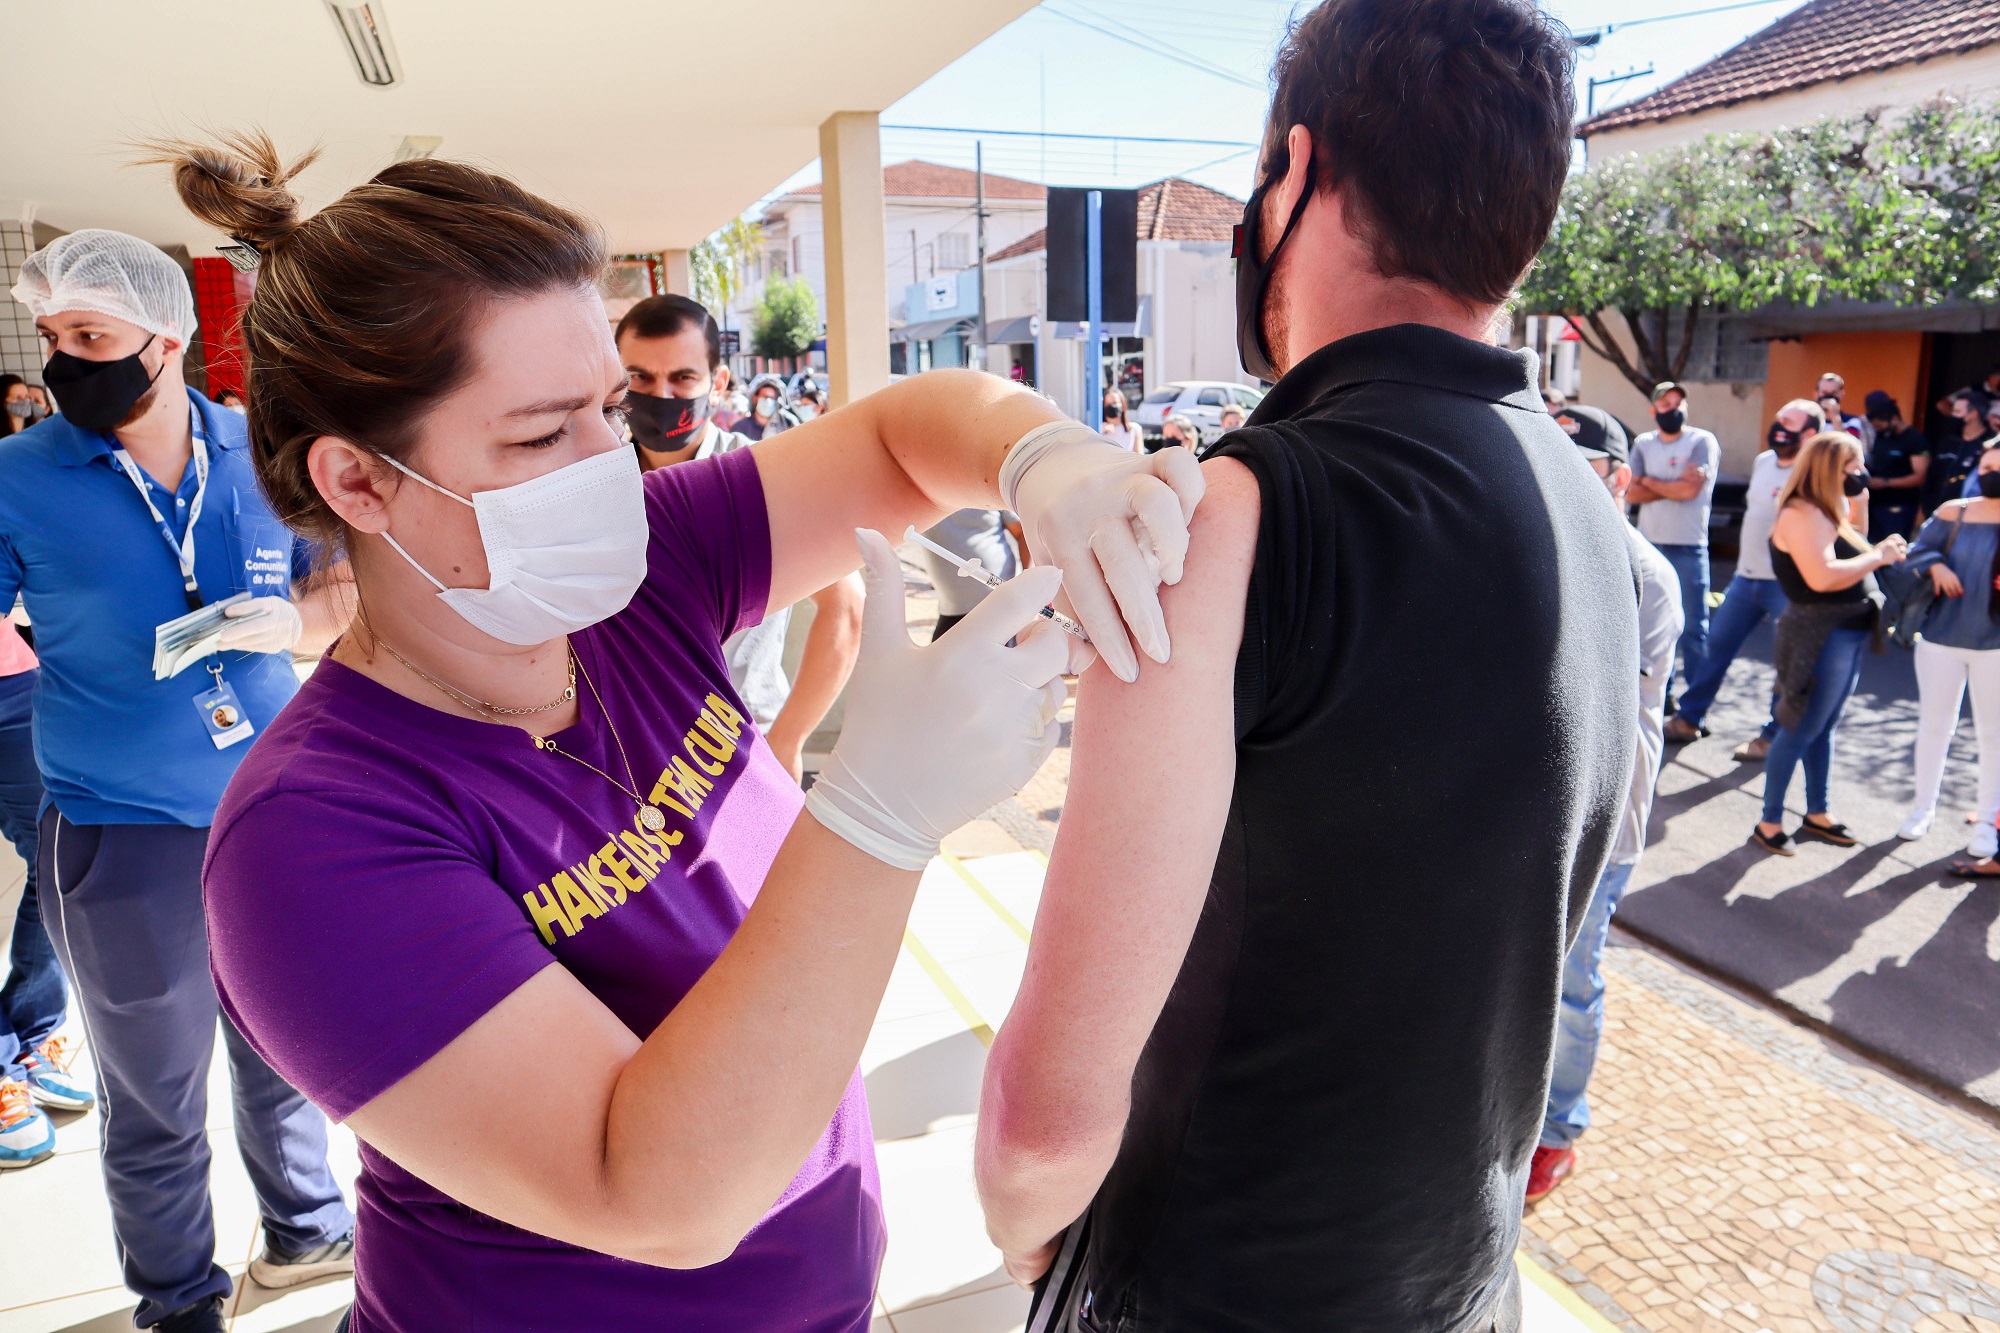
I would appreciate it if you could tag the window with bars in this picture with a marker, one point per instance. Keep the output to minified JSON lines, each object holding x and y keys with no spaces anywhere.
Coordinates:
{"x":954,"y":250}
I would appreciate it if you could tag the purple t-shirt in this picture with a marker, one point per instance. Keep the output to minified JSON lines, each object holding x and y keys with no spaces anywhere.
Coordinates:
{"x":381,"y":874}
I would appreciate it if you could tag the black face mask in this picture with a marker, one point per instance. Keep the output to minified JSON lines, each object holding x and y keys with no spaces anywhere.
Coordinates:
{"x":1253,"y":275}
{"x":664,"y":424}
{"x":97,"y":395}
{"x":1854,"y":483}
{"x":1784,"y":443}
{"x":1670,"y":421}
{"x":1989,"y":485}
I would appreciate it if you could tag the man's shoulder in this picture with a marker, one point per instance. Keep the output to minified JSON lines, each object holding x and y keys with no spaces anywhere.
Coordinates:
{"x":1652,"y":567}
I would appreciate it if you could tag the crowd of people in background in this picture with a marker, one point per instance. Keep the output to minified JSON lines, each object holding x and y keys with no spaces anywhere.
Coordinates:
{"x":1857,"y":531}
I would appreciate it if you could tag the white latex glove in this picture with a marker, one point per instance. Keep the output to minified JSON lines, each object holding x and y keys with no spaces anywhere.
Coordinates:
{"x":1115,"y":523}
{"x":938,"y":735}
{"x":262,"y":625}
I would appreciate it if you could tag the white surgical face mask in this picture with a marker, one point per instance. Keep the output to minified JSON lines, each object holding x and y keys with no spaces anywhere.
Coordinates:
{"x":563,"y":551}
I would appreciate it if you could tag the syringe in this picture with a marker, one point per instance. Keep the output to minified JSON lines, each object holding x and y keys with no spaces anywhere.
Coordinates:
{"x":972,"y":569}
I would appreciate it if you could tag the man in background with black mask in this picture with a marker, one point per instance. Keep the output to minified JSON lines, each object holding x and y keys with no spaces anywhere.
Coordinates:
{"x":1288,"y":1070}
{"x":133,"y":507}
{"x":1898,"y":462}
{"x":1673,"y":481}
{"x":672,"y":349}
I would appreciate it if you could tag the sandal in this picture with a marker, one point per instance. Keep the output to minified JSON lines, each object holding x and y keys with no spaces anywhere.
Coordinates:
{"x":1836,"y":834}
{"x":1986,"y":869}
{"x":1777,"y":843}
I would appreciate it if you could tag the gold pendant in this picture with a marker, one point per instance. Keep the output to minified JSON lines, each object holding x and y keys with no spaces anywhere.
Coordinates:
{"x":650,"y":816}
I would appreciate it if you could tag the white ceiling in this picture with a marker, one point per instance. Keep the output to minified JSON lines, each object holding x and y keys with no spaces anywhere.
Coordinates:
{"x":660,"y":118}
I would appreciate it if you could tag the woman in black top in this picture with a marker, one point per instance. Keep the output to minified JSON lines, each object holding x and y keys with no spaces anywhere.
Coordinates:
{"x":1827,"y":571}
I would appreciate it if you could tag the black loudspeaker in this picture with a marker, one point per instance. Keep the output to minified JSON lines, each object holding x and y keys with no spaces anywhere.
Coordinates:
{"x":1069,"y":256}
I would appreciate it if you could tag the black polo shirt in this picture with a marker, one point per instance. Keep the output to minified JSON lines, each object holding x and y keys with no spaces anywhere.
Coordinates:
{"x":1333,"y":1118}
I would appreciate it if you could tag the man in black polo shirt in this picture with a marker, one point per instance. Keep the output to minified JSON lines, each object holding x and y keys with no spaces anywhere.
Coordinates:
{"x":1897,"y":464}
{"x":1282,"y":1050}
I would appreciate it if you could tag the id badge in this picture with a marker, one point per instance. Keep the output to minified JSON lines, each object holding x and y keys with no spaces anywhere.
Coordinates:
{"x":222,"y":715}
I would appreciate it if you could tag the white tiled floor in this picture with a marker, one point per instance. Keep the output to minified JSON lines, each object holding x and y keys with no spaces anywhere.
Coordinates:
{"x":58,"y":1272}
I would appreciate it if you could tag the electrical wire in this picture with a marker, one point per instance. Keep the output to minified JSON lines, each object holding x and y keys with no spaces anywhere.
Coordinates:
{"x":1172,"y":52}
{"x":1167,"y":53}
{"x":1610,"y":28}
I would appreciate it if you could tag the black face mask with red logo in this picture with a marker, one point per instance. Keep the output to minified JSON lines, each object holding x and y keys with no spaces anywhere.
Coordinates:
{"x":663,"y":425}
{"x":1784,"y":443}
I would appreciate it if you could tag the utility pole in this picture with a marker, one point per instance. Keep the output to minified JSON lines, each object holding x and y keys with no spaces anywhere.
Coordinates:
{"x":979,"y":198}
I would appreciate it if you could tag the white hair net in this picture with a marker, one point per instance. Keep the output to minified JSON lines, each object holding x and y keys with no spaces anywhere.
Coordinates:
{"x":109,"y":273}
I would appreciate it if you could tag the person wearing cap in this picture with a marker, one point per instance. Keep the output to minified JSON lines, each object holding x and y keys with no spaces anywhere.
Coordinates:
{"x":1898,"y":461}
{"x":672,"y":349}
{"x":1673,"y":483}
{"x":1754,"y":594}
{"x":1580,"y":1019}
{"x":135,"y":506}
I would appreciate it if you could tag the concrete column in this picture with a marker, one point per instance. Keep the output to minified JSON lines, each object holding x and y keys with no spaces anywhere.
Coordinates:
{"x":679,"y":280}
{"x":857,"y":307}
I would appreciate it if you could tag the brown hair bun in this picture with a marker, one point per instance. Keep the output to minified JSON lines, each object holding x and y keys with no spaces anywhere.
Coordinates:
{"x":236,"y":184}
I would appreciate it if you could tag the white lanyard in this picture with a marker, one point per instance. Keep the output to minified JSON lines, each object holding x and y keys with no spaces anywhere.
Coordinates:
{"x":184,"y":548}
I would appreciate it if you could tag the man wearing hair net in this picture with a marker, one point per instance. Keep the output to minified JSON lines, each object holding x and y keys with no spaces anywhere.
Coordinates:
{"x":135,"y":506}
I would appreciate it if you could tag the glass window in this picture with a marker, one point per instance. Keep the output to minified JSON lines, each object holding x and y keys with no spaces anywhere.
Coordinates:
{"x":1166,"y":393}
{"x":1248,"y":397}
{"x":954,"y":250}
{"x":1210,"y":398}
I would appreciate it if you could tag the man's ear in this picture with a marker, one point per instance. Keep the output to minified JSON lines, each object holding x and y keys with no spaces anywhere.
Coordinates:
{"x":721,"y":381}
{"x":354,"y":483}
{"x":1284,"y":196}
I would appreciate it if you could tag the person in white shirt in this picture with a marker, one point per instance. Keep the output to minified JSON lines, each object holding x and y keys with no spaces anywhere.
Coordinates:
{"x":1673,"y":483}
{"x":673,"y":351}
{"x":1753,"y":594}
{"x":1580,"y":1018}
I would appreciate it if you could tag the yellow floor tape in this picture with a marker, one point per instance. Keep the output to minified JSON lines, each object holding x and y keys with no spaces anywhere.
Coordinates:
{"x":1007,"y":918}
{"x":1559,"y":1291}
{"x":942,"y":980}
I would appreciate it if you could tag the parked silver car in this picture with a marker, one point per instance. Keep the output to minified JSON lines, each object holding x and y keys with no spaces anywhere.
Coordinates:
{"x":1200,"y":401}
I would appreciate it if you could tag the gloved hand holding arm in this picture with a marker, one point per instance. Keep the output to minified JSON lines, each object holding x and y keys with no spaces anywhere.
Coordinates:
{"x":262,"y":625}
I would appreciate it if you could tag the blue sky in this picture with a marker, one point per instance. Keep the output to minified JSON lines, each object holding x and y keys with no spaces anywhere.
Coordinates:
{"x":1071,"y":65}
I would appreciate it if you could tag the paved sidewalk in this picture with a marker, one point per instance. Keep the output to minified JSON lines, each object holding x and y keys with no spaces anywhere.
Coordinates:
{"x":1876,"y":942}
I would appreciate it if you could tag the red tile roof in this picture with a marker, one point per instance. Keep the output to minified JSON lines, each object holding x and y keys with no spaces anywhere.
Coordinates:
{"x":1169,"y":210}
{"x":1817,"y":43}
{"x":932,"y":180}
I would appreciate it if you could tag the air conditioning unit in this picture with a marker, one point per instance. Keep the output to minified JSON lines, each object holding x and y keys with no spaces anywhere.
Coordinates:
{"x":365,"y":29}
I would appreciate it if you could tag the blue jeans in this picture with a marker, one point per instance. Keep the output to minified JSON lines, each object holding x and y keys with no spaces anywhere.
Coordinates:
{"x":34,"y":998}
{"x":1834,"y":678}
{"x":1691,"y":564}
{"x":1580,"y":1017}
{"x":1745,"y":605}
{"x":125,"y":909}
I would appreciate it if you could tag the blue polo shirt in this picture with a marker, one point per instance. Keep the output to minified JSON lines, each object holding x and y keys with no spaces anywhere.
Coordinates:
{"x":114,"y":745}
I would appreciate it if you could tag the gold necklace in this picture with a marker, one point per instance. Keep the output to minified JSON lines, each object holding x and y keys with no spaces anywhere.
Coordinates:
{"x":649,"y":815}
{"x":566,"y":697}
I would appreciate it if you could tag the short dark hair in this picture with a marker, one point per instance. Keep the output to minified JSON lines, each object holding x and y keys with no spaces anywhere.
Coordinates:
{"x":1447,"y":124}
{"x":665,"y":316}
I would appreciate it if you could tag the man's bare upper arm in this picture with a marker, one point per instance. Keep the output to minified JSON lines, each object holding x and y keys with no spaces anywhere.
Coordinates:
{"x":1152,"y":769}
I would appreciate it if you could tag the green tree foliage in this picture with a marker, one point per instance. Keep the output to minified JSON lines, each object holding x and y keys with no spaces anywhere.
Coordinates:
{"x":716,"y":265}
{"x":1864,"y":208}
{"x":787,"y":319}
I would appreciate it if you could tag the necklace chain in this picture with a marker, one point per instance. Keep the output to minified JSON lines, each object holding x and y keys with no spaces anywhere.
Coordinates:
{"x":567,"y":696}
{"x":649,"y":814}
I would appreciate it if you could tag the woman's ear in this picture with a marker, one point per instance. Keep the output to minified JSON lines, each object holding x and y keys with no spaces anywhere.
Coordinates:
{"x":354,"y":483}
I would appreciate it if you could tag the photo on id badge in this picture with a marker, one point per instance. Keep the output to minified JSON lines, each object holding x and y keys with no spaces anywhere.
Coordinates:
{"x":222,"y":714}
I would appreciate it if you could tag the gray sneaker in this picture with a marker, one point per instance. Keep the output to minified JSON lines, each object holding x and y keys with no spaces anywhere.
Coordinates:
{"x":278,"y":1269}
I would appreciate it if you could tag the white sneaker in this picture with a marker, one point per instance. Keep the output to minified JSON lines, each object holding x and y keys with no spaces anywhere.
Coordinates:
{"x":1916,"y":826}
{"x":1985,"y":841}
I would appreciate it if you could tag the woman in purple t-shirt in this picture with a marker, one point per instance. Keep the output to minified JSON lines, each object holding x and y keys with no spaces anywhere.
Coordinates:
{"x":512,"y":887}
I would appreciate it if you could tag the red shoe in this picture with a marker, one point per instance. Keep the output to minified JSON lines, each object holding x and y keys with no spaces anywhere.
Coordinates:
{"x":1551,"y":1167}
